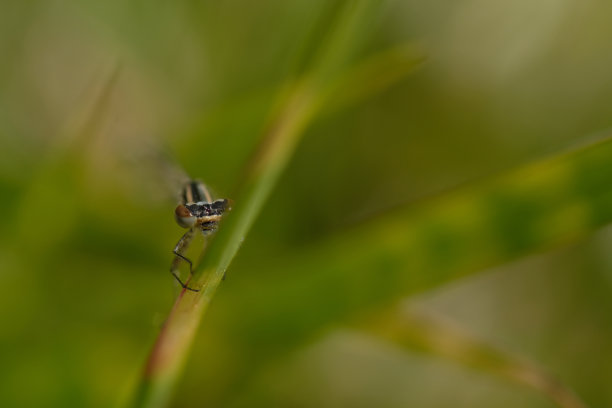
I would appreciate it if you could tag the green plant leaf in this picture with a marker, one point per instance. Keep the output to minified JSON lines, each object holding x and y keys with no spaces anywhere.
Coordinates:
{"x":420,"y":247}
{"x":412,"y":329}
{"x":297,"y":105}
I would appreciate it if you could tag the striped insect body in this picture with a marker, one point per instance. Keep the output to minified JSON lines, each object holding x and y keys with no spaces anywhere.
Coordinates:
{"x":197,"y":212}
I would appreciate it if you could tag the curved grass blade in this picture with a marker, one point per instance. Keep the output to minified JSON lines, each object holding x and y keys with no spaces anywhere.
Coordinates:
{"x":372,"y":75}
{"x":297,"y":106}
{"x":415,"y":330}
{"x":172,"y":346}
{"x":419,"y":247}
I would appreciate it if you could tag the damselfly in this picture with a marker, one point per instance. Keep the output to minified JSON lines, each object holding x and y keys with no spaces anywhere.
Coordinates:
{"x":197,"y":212}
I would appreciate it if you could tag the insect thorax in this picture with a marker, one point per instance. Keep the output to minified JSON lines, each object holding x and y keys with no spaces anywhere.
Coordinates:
{"x":204,"y":209}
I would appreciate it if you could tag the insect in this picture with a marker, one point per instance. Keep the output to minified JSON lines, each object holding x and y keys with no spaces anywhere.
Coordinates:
{"x":197,"y":212}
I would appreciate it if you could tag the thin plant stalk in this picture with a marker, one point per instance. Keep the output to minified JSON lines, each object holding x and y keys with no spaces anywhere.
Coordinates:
{"x":171,"y":347}
{"x":297,"y":105}
{"x":412,"y":329}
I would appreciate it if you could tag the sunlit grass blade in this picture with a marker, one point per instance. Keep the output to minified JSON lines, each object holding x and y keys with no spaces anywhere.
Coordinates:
{"x":370,"y":76}
{"x":343,"y":27}
{"x":421,"y":331}
{"x":172,"y":346}
{"x":423,"y":246}
{"x":297,"y":106}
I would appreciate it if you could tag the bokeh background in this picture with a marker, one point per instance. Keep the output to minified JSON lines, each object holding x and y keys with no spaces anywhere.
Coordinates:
{"x":100,"y":100}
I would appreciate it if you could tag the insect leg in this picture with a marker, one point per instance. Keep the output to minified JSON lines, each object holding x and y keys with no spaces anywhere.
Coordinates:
{"x":180,"y":247}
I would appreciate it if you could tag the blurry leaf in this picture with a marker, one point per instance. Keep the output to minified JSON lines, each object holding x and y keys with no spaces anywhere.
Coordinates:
{"x":420,"y":247}
{"x":55,"y":179}
{"x":371,"y":76}
{"x":415,"y":330}
{"x":342,"y":28}
{"x":296,"y":107}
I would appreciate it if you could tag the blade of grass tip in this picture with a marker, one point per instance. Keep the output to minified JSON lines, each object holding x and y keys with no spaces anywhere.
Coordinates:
{"x":414,"y":330}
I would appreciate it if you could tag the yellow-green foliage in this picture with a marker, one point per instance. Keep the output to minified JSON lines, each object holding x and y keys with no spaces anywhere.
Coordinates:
{"x":421,"y":194}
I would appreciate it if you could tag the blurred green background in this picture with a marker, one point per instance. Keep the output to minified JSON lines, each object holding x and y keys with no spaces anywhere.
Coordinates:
{"x":87,"y":231}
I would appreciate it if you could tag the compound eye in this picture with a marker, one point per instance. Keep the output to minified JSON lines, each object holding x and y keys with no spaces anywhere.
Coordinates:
{"x":184,"y":217}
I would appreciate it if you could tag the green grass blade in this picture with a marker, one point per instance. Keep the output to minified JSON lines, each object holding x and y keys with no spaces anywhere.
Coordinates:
{"x":414,"y":330}
{"x":297,"y":106}
{"x":420,"y":247}
{"x":370,"y":76}
{"x":172,"y":346}
{"x":336,"y":35}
